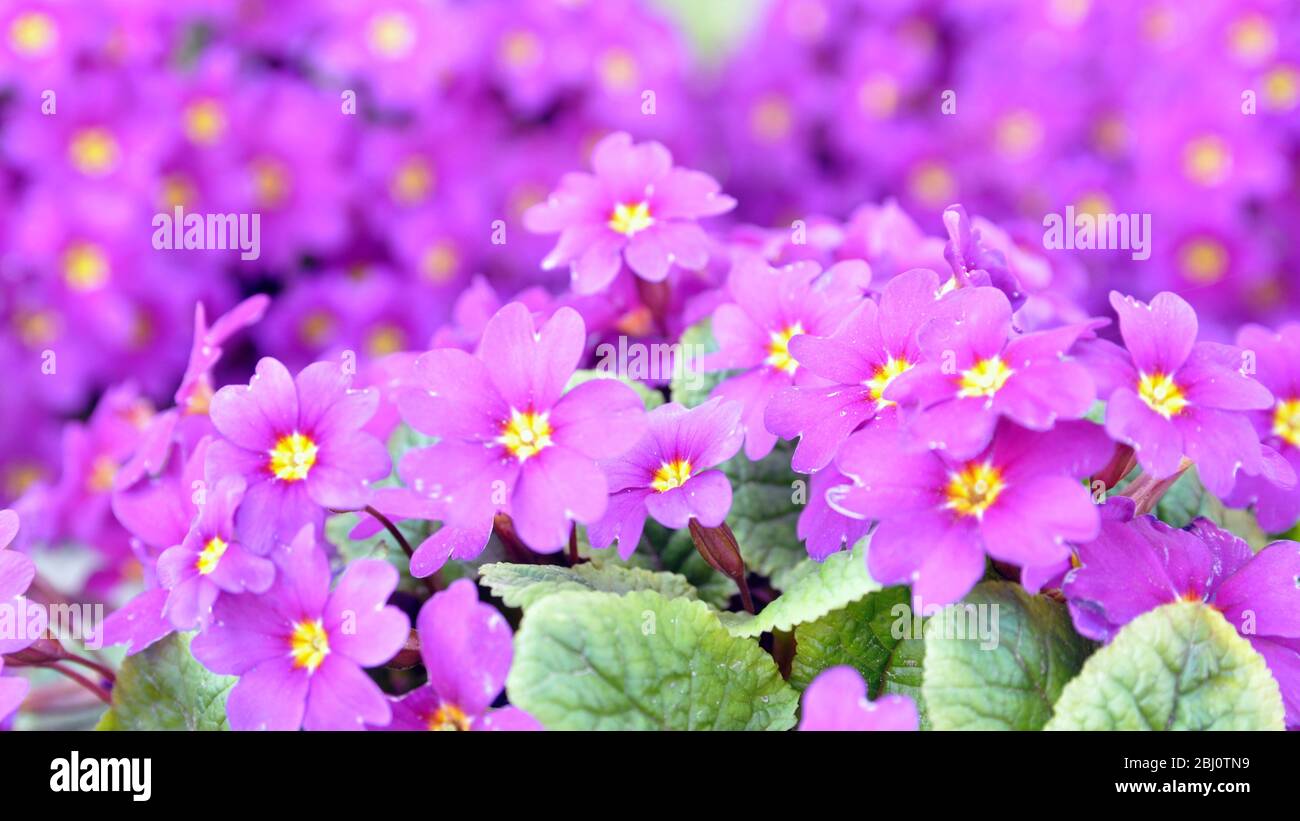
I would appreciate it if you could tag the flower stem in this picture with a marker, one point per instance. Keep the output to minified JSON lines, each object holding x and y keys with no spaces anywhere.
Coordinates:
{"x":1146,"y":491}
{"x":104,"y":672}
{"x":392,"y":528}
{"x":99,"y":691}
{"x":574,"y":558}
{"x":432,"y":583}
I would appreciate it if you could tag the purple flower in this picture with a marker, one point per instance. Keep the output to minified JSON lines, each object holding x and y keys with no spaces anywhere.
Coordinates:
{"x":821,"y":528}
{"x":976,"y":371}
{"x":195,"y":393}
{"x":210,"y":560}
{"x":637,"y":208}
{"x":1138,"y":563}
{"x":299,"y":446}
{"x":772,"y":308}
{"x":511,"y":439}
{"x":299,"y":649}
{"x":667,"y":474}
{"x":1171,"y":397}
{"x":466,"y":648}
{"x":16,"y":575}
{"x":973,"y":262}
{"x":159,"y":511}
{"x":1276,"y":506}
{"x":837,"y":700}
{"x":1019,"y":501}
{"x":861,"y":358}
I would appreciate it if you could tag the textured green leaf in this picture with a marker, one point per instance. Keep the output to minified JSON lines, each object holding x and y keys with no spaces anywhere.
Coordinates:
{"x":999,"y":659}
{"x":651,"y":397}
{"x":764,"y":514}
{"x":1178,"y":667}
{"x":692,"y":388}
{"x":661,"y":549}
{"x":862,"y":636}
{"x":816,"y":588}
{"x":597,"y":661}
{"x":522,"y":585}
{"x":165,"y":688}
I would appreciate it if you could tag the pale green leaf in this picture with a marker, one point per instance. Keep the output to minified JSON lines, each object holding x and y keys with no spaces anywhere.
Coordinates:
{"x":999,"y":659}
{"x":522,"y":585}
{"x":597,"y":661}
{"x":1181,"y":666}
{"x":165,"y":688}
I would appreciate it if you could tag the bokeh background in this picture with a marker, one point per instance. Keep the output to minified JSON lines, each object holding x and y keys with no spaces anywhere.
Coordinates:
{"x":378,"y":224}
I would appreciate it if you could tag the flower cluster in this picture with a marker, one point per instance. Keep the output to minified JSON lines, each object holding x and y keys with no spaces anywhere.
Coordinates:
{"x":376,"y":462}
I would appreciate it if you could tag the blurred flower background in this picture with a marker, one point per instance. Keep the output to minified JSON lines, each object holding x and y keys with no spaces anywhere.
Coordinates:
{"x":391,"y":148}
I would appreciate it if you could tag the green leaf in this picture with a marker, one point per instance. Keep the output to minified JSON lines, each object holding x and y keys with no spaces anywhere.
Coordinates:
{"x":522,"y":585}
{"x":596,"y":661}
{"x":1181,"y":666}
{"x":764,"y":514}
{"x":862,"y":635}
{"x":651,"y":397}
{"x":165,"y":688}
{"x":1186,"y":499}
{"x":999,"y":659}
{"x":816,"y":588}
{"x":665,"y":550}
{"x":1243,"y":524}
{"x":691,"y":388}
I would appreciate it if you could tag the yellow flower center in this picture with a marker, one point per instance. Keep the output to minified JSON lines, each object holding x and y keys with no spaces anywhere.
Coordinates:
{"x":439,"y":262}
{"x":1207,"y":160}
{"x":878,"y":95}
{"x":1282,"y":88}
{"x":36,"y":328}
{"x":617,"y":70}
{"x":931,"y":183}
{"x":391,"y":35}
{"x":520,"y":49}
{"x":985,"y":378}
{"x":973,"y":489}
{"x":176,"y":190}
{"x":1019,"y":134}
{"x":102,"y":474}
{"x":771,"y":119}
{"x":449,"y":717}
{"x":33,"y":34}
{"x":670,"y":475}
{"x":94,"y":151}
{"x":526,"y":434}
{"x":270,"y":182}
{"x":85,"y":267}
{"x":1252,"y":38}
{"x":204,"y":122}
{"x":1204,"y":260}
{"x":309,"y":644}
{"x":778,"y":350}
{"x":1161,"y":394}
{"x":18,"y":478}
{"x":384,"y":339}
{"x":316,"y":328}
{"x":629,"y":218}
{"x":292,"y":457}
{"x":1286,"y":421}
{"x":210,"y":555}
{"x":883,"y":376}
{"x":200,"y":401}
{"x":412,"y":181}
